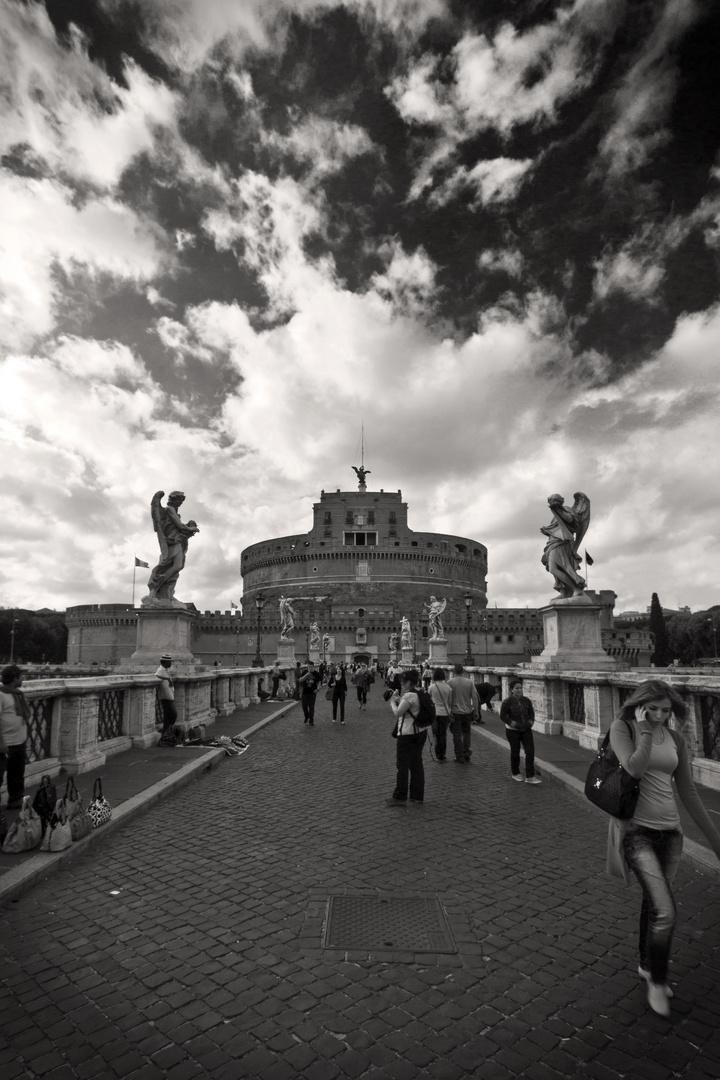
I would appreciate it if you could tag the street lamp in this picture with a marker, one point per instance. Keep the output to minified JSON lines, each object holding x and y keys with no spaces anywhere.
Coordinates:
{"x":15,"y":621}
{"x":714,"y":631}
{"x":468,"y":604}
{"x":259,"y":604}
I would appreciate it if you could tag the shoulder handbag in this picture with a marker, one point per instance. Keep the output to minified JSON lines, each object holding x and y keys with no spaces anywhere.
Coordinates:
{"x":609,"y":786}
{"x":26,"y":833}
{"x":99,"y":811}
{"x":58,"y":835}
{"x":80,"y":824}
{"x":44,"y":801}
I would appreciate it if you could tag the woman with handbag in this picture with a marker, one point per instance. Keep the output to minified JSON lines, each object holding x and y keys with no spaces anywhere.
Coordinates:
{"x":649,"y":844}
{"x":441,"y":695}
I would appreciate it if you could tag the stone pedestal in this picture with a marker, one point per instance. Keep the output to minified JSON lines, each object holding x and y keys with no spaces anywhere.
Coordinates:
{"x":164,"y":630}
{"x":286,"y":652}
{"x":573,"y":640}
{"x":314,"y":655}
{"x":438,"y":652}
{"x":407,"y":657}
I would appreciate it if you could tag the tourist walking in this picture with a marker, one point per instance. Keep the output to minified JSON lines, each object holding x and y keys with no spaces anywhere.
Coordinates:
{"x":410,"y":743}
{"x":464,"y":707}
{"x":361,"y":681}
{"x":339,"y":693}
{"x":650,"y":843}
{"x":518,"y":716}
{"x":441,"y":695}
{"x":276,"y":674}
{"x":166,"y":697}
{"x":14,"y":714}
{"x":309,"y":683}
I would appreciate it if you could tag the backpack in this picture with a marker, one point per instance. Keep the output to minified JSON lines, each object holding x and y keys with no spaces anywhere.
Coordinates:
{"x":426,"y":712}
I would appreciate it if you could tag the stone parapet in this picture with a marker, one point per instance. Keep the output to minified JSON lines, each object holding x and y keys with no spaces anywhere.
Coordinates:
{"x":76,"y":724}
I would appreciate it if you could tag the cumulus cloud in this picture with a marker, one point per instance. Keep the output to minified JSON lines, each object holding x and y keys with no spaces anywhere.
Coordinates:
{"x":41,"y":226}
{"x":324,"y":144}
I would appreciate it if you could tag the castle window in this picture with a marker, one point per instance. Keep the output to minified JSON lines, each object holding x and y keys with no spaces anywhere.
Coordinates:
{"x":431,"y":545}
{"x":328,"y":517}
{"x":413,"y":543}
{"x":424,"y":631}
{"x":371,"y":517}
{"x":498,"y":638}
{"x":461,"y":548}
{"x":511,"y":637}
{"x":361,"y":613}
{"x":348,"y":517}
{"x":393,"y":518}
{"x":476,"y":551}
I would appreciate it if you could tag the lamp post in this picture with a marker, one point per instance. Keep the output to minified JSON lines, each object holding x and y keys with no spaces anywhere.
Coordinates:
{"x":259,"y":604}
{"x":468,"y":604}
{"x":307,"y":647}
{"x":14,"y":623}
{"x":714,"y":633}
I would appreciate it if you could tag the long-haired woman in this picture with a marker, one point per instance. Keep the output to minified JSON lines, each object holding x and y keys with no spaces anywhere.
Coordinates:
{"x":650,"y":843}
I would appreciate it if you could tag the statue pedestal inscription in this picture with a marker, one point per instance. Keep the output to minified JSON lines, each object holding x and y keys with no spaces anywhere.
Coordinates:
{"x":164,"y":630}
{"x":571,"y":628}
{"x":438,"y":652}
{"x":286,"y":652}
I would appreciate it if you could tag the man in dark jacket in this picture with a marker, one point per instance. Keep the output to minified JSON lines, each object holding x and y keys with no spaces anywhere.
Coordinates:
{"x":518,"y":716}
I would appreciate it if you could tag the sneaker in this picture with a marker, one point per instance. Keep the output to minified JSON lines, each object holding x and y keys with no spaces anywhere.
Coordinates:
{"x":658,"y":999}
{"x":343,"y":723}
{"x":518,"y":777}
{"x":531,"y":780}
{"x":416,"y":802}
{"x":644,"y":973}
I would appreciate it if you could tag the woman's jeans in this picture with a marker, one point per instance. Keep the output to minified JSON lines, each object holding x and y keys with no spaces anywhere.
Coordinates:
{"x":440,"y":727}
{"x":410,"y":766}
{"x":338,"y":698}
{"x":653,"y":856}
{"x":516,"y":740}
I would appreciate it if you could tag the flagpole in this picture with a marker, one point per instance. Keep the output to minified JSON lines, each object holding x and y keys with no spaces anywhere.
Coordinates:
{"x":134,"y":571}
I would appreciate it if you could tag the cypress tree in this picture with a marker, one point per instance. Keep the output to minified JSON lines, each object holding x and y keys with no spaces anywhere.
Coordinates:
{"x":661,"y":656}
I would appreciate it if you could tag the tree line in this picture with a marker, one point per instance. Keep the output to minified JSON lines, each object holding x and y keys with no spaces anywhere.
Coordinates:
{"x":40,"y":637}
{"x":683,"y":637}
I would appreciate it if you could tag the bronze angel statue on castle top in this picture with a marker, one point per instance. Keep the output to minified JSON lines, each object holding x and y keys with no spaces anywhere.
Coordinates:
{"x":565,"y":533}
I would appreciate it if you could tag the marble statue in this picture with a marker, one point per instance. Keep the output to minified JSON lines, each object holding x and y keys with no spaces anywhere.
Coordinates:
{"x":287,"y":618}
{"x":173,"y":535}
{"x":314,"y":636}
{"x":405,"y":633}
{"x":435,"y":610}
{"x":326,"y":642}
{"x":361,"y":474}
{"x":565,"y":532}
{"x":392,"y":642}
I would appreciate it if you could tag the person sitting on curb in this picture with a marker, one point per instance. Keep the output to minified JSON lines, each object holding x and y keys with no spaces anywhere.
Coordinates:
{"x":518,"y":716}
{"x":166,"y":697}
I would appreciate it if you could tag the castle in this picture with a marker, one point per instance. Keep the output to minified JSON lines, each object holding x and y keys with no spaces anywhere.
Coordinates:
{"x":358,"y":571}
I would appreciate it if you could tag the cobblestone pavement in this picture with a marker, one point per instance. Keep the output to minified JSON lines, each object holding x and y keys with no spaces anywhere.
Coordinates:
{"x":189,"y":944}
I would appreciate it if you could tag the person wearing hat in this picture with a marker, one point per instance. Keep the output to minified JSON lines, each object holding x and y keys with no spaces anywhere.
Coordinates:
{"x":166,"y":697}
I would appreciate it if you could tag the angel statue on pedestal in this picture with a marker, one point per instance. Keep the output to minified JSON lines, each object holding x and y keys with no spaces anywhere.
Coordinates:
{"x":361,"y":473}
{"x":565,"y":533}
{"x":435,"y":610}
{"x":173,"y":536}
{"x":314,"y":636}
{"x":287,"y":618}
{"x":405,"y":633}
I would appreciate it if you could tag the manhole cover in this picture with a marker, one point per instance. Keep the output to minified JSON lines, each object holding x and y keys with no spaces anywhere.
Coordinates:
{"x":413,"y":923}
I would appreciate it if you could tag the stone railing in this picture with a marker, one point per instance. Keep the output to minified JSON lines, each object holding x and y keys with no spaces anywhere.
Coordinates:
{"x":76,"y":724}
{"x":583,"y":704}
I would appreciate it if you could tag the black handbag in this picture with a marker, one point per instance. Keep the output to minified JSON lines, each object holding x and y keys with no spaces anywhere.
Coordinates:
{"x":611,"y":787}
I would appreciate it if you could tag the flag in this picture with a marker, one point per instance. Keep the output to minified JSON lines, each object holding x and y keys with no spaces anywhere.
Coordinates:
{"x":590,"y":561}
{"x":139,"y":562}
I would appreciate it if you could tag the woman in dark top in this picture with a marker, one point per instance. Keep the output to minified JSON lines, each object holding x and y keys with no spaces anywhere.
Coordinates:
{"x":339,"y":689}
{"x":518,"y":716}
{"x":650,"y":843}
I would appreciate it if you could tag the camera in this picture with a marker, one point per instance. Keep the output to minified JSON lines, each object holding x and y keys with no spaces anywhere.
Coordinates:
{"x":387,"y":694}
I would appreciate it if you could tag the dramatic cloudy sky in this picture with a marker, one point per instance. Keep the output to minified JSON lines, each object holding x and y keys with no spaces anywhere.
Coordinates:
{"x":232,"y":230}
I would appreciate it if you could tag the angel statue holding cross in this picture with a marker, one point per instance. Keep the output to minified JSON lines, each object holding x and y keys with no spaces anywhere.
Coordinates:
{"x":564,"y":535}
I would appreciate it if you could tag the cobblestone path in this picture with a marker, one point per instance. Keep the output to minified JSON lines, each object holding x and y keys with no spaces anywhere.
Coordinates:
{"x":189,"y":944}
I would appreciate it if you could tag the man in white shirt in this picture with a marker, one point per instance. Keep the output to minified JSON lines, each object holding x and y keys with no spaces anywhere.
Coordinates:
{"x":166,"y":697}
